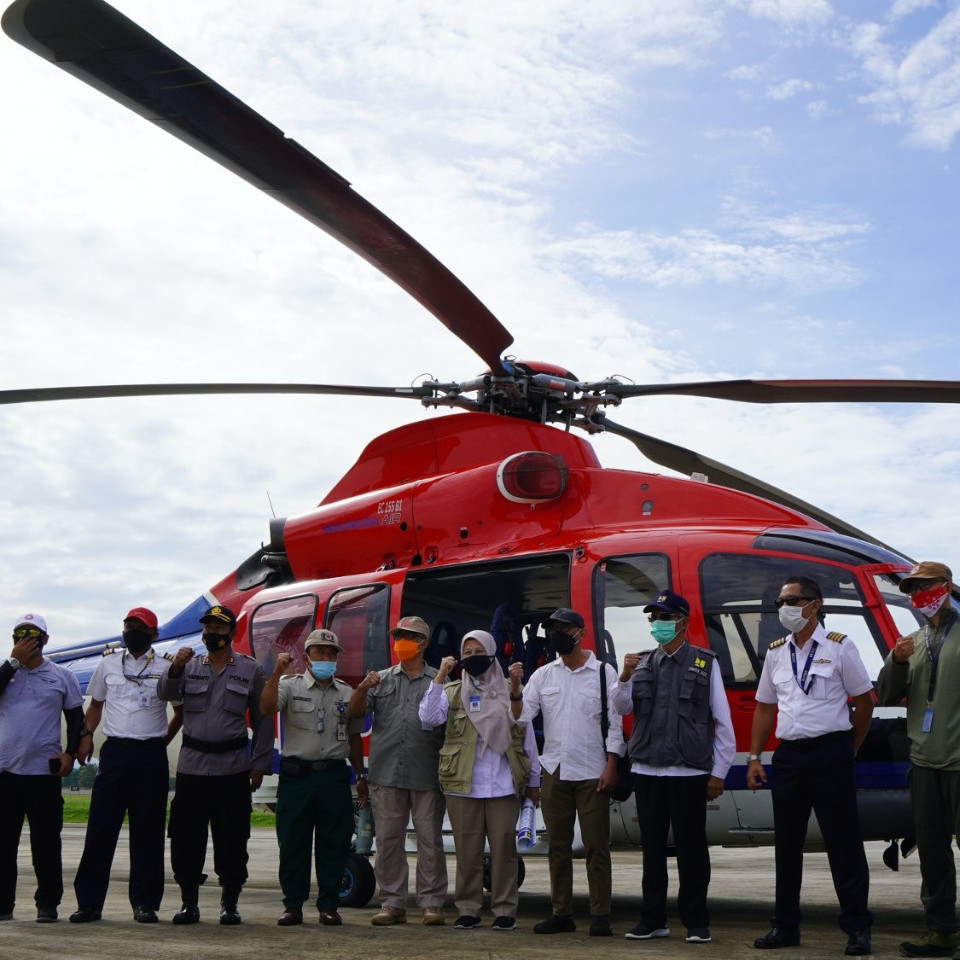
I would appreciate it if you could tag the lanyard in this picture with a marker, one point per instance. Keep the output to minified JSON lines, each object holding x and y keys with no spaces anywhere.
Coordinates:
{"x":136,"y":677}
{"x":802,"y":679}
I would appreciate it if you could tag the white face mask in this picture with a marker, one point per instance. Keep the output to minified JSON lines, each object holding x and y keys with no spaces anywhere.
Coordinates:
{"x":793,"y":619}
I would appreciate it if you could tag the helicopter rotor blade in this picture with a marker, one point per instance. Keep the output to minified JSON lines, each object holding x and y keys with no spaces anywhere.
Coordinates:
{"x":802,"y":391}
{"x":46,"y":394}
{"x":99,"y":45}
{"x":689,"y":462}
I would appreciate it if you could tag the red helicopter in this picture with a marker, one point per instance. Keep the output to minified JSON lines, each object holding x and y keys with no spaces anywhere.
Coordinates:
{"x":493,"y":517}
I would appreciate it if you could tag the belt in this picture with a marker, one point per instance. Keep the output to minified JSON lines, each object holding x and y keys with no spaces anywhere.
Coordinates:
{"x":295,"y":765}
{"x":214,"y":746}
{"x":135,"y":740}
{"x":810,"y":743}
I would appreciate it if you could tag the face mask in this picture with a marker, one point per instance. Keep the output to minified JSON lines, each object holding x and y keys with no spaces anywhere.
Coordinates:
{"x":928,"y":602}
{"x":405,"y":649}
{"x":136,"y":641}
{"x":215,"y":641}
{"x":792,"y":619}
{"x":323,"y":669}
{"x":562,"y":642}
{"x":476,"y":664}
{"x":663,"y":631}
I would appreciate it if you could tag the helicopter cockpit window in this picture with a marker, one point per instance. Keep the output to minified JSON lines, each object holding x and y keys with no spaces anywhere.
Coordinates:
{"x":359,"y":618}
{"x":622,"y":587}
{"x":737,"y":596}
{"x":281,"y":626}
{"x":905,"y":618}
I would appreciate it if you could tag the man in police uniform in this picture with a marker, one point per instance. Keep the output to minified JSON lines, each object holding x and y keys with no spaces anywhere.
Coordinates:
{"x":217,"y":770}
{"x":404,"y":764}
{"x":806,"y":680}
{"x":34,"y":692}
{"x":133,"y":776}
{"x":681,"y":750}
{"x":314,"y":804}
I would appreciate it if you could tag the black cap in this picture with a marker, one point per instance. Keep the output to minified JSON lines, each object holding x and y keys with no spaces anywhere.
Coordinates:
{"x":218,"y":614}
{"x":566,"y":615}
{"x":669,"y":602}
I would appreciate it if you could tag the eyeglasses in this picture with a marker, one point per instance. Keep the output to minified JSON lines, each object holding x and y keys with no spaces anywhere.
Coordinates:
{"x":664,"y":616}
{"x":27,"y":633}
{"x":919,"y":585}
{"x":792,"y":601}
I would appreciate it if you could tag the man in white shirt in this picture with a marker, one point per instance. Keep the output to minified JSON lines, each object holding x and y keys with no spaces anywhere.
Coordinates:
{"x":577,"y":767}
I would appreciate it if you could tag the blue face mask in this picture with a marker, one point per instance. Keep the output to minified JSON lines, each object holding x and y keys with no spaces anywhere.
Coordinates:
{"x":323,"y":669}
{"x":663,"y":631}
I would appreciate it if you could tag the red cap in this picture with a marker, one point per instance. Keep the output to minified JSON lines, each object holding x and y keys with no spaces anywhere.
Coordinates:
{"x":147,"y":617}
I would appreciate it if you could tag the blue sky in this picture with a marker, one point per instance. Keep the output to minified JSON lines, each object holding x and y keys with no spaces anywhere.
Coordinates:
{"x":681,"y":190}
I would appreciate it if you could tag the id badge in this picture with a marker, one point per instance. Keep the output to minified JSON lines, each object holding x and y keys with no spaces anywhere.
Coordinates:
{"x":475,"y":703}
{"x":927,"y":724}
{"x":144,"y":696}
{"x":341,"y":731}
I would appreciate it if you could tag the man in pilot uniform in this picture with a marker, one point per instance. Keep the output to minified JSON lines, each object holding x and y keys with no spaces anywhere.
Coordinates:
{"x":217,"y":770}
{"x":314,"y":803}
{"x":806,"y":680}
{"x":133,"y":778}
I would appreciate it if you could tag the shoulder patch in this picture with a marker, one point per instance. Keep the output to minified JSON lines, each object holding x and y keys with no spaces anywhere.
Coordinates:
{"x":777,"y":643}
{"x":836,"y":637}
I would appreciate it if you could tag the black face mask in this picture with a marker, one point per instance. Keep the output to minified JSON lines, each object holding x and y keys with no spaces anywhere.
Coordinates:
{"x":215,"y":641}
{"x":562,"y":642}
{"x":136,"y":641}
{"x":476,"y":664}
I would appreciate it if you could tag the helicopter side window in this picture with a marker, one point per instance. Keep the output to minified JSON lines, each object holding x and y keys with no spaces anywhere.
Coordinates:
{"x":359,"y":618}
{"x":281,"y":626}
{"x":738,"y":593}
{"x":622,"y":587}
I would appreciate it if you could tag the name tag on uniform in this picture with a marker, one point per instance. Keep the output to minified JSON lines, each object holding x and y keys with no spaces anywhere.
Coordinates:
{"x":927,"y":724}
{"x":144,"y":698}
{"x":475,"y":703}
{"x":342,"y":730}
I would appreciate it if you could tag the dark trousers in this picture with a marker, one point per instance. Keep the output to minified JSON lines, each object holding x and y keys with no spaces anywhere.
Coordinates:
{"x":680,"y":802}
{"x":935,"y":796}
{"x":38,"y":799}
{"x":223,"y":804}
{"x":132,"y":780}
{"x":817,"y":775}
{"x":314,"y":810}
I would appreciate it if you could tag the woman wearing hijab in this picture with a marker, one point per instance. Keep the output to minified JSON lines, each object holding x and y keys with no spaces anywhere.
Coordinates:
{"x":487,"y":763}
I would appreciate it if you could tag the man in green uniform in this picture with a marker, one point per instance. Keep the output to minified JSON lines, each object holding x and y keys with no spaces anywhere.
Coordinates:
{"x":314,"y":804}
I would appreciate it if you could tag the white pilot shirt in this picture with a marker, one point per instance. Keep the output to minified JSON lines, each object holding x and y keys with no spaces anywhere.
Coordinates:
{"x":836,"y":672}
{"x":127,"y":685}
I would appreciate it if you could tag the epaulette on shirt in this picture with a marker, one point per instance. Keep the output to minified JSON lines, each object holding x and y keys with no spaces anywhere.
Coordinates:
{"x":168,"y":656}
{"x":110,"y":650}
{"x":836,"y":637}
{"x":777,"y":643}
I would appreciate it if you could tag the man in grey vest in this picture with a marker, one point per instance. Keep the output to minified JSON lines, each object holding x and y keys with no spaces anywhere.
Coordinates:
{"x":680,"y":750}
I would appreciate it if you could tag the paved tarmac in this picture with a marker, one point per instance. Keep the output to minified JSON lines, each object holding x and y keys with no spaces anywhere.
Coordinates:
{"x":741,"y":895}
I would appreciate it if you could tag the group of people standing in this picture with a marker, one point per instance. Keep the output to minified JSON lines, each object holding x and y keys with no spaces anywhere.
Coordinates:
{"x":467,"y":747}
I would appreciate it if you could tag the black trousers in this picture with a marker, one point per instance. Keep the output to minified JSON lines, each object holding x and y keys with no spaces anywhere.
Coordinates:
{"x":133,"y":780}
{"x":37,"y":798}
{"x":223,"y":804}
{"x":817,"y":775}
{"x":681,"y":803}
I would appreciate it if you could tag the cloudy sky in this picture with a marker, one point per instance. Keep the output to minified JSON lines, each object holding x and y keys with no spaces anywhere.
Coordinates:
{"x":663,"y":189}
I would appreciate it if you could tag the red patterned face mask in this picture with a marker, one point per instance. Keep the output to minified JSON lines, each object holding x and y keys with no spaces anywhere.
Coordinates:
{"x":928,"y":602}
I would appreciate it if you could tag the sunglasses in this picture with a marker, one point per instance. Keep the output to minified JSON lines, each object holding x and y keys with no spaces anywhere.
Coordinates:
{"x":27,"y":633}
{"x":792,"y":601}
{"x":664,"y":616}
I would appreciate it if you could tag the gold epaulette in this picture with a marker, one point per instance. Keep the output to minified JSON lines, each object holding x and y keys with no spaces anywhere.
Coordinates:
{"x":777,"y":643}
{"x":168,"y":656}
{"x":836,"y":637}
{"x":110,"y":650}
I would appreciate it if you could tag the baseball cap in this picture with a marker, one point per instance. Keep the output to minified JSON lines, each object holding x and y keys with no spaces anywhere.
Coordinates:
{"x":322,"y":638}
{"x":566,"y":615}
{"x":147,"y":617}
{"x":926,"y":570}
{"x":218,"y":614}
{"x":32,"y":620}
{"x":669,"y":602}
{"x":411,"y":625}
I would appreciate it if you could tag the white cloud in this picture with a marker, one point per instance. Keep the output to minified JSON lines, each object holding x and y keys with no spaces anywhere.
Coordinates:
{"x":787,"y":89}
{"x":787,"y":12}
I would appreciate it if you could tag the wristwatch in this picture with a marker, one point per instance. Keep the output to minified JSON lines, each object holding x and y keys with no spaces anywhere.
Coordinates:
{"x":14,"y":663}
{"x":517,"y":698}
{"x":753,"y":756}
{"x":84,"y":732}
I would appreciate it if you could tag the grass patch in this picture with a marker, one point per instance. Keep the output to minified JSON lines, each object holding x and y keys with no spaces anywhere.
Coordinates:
{"x":76,"y":808}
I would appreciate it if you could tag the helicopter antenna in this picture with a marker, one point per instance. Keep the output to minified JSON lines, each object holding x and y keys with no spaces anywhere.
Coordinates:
{"x":273,"y":512}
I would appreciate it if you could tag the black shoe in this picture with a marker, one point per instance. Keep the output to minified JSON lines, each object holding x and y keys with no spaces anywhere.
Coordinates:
{"x":47,"y":915}
{"x":558,"y":923}
{"x":144,"y":915}
{"x":778,"y":937}
{"x":188,"y":913}
{"x":858,"y":943}
{"x":229,"y":917}
{"x":84,"y":915}
{"x":600,"y":926}
{"x":504,"y":923}
{"x":466,"y":922}
{"x":643,"y":931}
